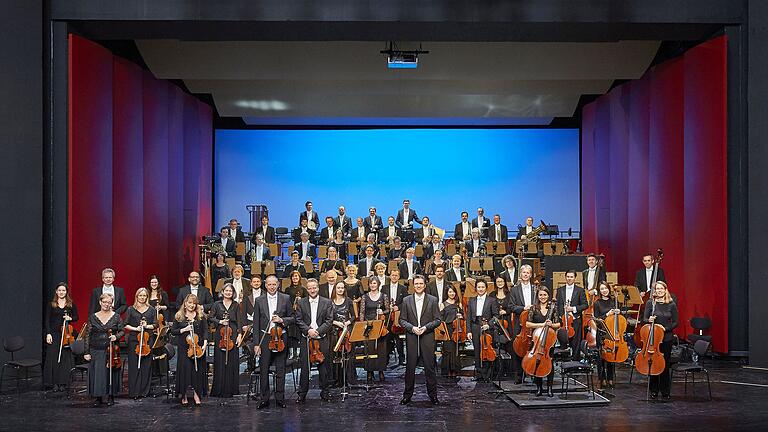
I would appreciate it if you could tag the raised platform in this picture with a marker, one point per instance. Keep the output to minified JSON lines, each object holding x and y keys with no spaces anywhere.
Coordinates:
{"x":524,"y":395}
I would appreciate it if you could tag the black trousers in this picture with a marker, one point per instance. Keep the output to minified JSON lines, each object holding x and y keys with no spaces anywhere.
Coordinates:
{"x":425,"y":352}
{"x":482,"y":369}
{"x":269,"y":358}
{"x":393,"y":343}
{"x":663,"y":383}
{"x":575,"y":341}
{"x":322,"y":368}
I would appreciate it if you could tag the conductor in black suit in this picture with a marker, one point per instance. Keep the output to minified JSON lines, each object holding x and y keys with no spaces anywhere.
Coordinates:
{"x":578,"y":303}
{"x":646,"y":275}
{"x":119,"y":305}
{"x":267,"y":232}
{"x":420,"y":316}
{"x":203,"y":294}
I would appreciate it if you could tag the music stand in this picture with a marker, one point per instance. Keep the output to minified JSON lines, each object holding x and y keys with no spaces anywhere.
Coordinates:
{"x":469,"y":288}
{"x":419,"y":251}
{"x":501,"y":248}
{"x":382,"y":250}
{"x":450,"y":249}
{"x":474,"y":264}
{"x":490,"y":247}
{"x":366,"y":331}
{"x":612,"y":278}
{"x":488,"y":263}
{"x":353,"y":248}
{"x":392,"y":265}
{"x":274,"y":249}
{"x":308,"y":267}
{"x":322,"y":252}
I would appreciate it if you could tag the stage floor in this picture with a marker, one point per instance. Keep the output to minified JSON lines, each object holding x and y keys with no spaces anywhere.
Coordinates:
{"x":740,"y":402}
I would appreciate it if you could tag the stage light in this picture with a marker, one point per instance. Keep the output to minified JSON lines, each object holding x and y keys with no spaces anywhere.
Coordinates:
{"x":402,"y":59}
{"x":263,"y":105}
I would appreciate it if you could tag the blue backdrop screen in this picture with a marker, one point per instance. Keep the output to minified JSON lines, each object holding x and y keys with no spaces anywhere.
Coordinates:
{"x":512,"y":172}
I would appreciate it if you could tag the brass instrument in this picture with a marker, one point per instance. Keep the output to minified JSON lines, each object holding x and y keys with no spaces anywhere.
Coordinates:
{"x":216,"y":247}
{"x":536,"y":232}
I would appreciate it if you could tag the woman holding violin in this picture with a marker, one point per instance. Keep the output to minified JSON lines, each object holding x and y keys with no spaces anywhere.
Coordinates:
{"x":543,"y":316}
{"x":191,"y":328}
{"x":354,"y":289}
{"x":453,"y":316}
{"x":504,"y":338}
{"x":662,"y":310}
{"x":375,"y":306}
{"x":59,"y":333}
{"x":105,"y":366}
{"x":158,"y":299}
{"x":604,"y":307}
{"x":333,"y":261}
{"x":226,"y":364}
{"x":343,"y":316}
{"x":140,"y":320}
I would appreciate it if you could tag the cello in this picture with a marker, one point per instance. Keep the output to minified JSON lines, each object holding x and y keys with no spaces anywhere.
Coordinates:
{"x":640,"y":308}
{"x":537,"y":362}
{"x":650,"y":360}
{"x":589,"y":312}
{"x":615,"y":349}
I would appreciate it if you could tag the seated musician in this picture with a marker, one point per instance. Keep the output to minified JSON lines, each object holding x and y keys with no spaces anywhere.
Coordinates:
{"x":482,"y":223}
{"x":366,"y":266}
{"x":341,"y":245}
{"x":259,"y":251}
{"x":343,"y":221}
{"x":389,"y":232}
{"x":456,"y":272}
{"x":423,"y":235}
{"x":592,"y":275}
{"x":577,"y":298}
{"x":476,"y":245}
{"x":434,"y":245}
{"x":371,"y":240}
{"x":307,"y":251}
{"x":409,"y":266}
{"x":294,"y":265}
{"x":439,"y":286}
{"x":313,"y":220}
{"x":314,"y":318}
{"x":397,"y":251}
{"x":333,"y":262}
{"x":435,"y":261}
{"x":510,"y":270}
{"x":227,"y":243}
{"x":267,"y":232}
{"x":646,"y":276}
{"x":523,"y":232}
{"x":462,"y":230}
{"x":480,"y":312}
{"x":498,"y":231}
{"x":373,"y":221}
{"x":380,"y":272}
{"x":302,"y":228}
{"x":327,"y":234}
{"x":360,"y":232}
{"x":235,"y":231}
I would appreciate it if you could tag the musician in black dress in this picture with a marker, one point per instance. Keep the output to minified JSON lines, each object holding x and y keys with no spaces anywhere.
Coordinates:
{"x":504,"y":340}
{"x":294,"y":265}
{"x":226,"y":364}
{"x":397,"y":251}
{"x":333,"y":262}
{"x":543,"y":312}
{"x":158,"y":299}
{"x":375,"y":305}
{"x":295,"y":291}
{"x":219,"y":269}
{"x":354,"y":289}
{"x":341,"y":246}
{"x":343,"y":317}
{"x":189,"y":322}
{"x":661,"y":309}
{"x":140,"y":320}
{"x":604,"y":306}
{"x":452,"y":310}
{"x":58,"y":359}
{"x":106,"y":328}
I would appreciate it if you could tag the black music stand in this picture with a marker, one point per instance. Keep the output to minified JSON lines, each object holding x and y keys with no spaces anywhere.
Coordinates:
{"x":366,"y":331}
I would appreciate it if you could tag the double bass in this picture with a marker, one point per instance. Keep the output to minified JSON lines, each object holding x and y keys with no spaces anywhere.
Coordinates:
{"x":537,"y":362}
{"x":650,"y":360}
{"x":615,"y":348}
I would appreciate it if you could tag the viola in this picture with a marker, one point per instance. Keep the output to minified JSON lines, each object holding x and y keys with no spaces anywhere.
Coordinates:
{"x":143,"y":348}
{"x":194,"y":350}
{"x":160,"y":324}
{"x":113,"y":361}
{"x":537,"y":362}
{"x":615,"y":348}
{"x":315,"y":354}
{"x":649,"y":360}
{"x":487,"y":353}
{"x":459,"y":334}
{"x":567,"y":320}
{"x":395,"y":318}
{"x":225,"y":335}
{"x":522,"y":341}
{"x":276,"y":343}
{"x":68,"y":335}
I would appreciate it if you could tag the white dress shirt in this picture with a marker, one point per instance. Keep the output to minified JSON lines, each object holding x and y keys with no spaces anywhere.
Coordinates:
{"x":304,"y":250}
{"x":527,"y":294}
{"x":466,"y":228}
{"x":568,"y":293}
{"x":480,"y":304}
{"x":272,"y":303}
{"x":406,"y":212}
{"x":498,"y":232}
{"x":591,"y":278}
{"x":108,"y":289}
{"x":193,"y":289}
{"x":419,"y":306}
{"x":313,"y":302}
{"x":457,"y":272}
{"x":259,"y":252}
{"x":648,"y":275}
{"x":238,"y":284}
{"x":439,"y":286}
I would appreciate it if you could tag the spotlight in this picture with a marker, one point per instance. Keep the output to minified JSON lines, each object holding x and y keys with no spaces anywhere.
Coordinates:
{"x":402,"y":59}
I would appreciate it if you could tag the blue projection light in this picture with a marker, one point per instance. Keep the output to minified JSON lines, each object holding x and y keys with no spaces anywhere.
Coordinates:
{"x":403,"y":61}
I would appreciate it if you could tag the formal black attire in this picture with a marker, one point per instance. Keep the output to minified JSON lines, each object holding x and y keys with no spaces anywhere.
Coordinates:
{"x":296,"y":234}
{"x":423,"y":346}
{"x":290,"y":268}
{"x":262,"y":322}
{"x":342,"y":312}
{"x":535,"y":316}
{"x":267,"y":233}
{"x":667,"y":316}
{"x":55,"y":372}
{"x":506,"y":368}
{"x":226,"y":365}
{"x":482,"y":226}
{"x":379,"y":347}
{"x":510,"y":276}
{"x":364,"y":267}
{"x":407,"y":274}
{"x":498,"y":236}
{"x":338,"y":265}
{"x":342,"y":249}
{"x":641,"y":279}
{"x":237,"y":234}
{"x":475,"y":322}
{"x":400,"y":292}
{"x":323,"y":324}
{"x":450,"y":274}
{"x":139,"y":378}
{"x":599,"y":277}
{"x":579,"y":301}
{"x":217,"y":273}
{"x":449,"y":363}
{"x":97,"y":345}
{"x":605,"y":369}
{"x":345,"y":224}
{"x":518,"y":304}
{"x":204,"y":297}
{"x":119,"y":303}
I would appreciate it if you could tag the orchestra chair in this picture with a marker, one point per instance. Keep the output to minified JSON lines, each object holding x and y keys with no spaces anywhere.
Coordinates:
{"x":78,"y":351}
{"x":12,"y":345}
{"x":274,"y":250}
{"x":699,"y":325}
{"x":569,"y":369}
{"x":700,"y":348}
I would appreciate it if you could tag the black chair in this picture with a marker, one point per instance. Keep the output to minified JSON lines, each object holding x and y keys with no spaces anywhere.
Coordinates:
{"x":700,"y":325}
{"x":78,"y":350}
{"x":14,"y":344}
{"x":694,"y":367}
{"x":572,"y":368}
{"x":254,"y":379}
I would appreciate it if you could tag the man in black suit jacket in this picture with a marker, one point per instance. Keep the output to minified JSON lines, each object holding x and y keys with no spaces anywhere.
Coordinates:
{"x":267,"y":232}
{"x":373,"y":221}
{"x":328,"y":232}
{"x":498,"y":232}
{"x":272,"y":309}
{"x":481,"y":222}
{"x":438,"y":288}
{"x":314,"y":329}
{"x":424,"y":234}
{"x":235,"y":231}
{"x":527,"y":228}
{"x":406,"y":216}
{"x":366,"y":265}
{"x":420,"y":316}
{"x":646,"y":275}
{"x":463,"y":229}
{"x":389,"y":232}
{"x":310,"y":215}
{"x":396,"y":292}
{"x":301,"y":229}
{"x":578,"y":303}
{"x":522,"y":297}
{"x":409,"y":267}
{"x":510,"y":272}
{"x":305,"y":246}
{"x":456,"y":272}
{"x":343,"y":221}
{"x":237,"y":280}
{"x":360,"y":232}
{"x":327,"y":289}
{"x":593,"y":275}
{"x":480,"y":312}
{"x":260,"y":250}
{"x":226,"y":242}
{"x":119,"y":302}
{"x":204,"y":296}
{"x":476,"y":245}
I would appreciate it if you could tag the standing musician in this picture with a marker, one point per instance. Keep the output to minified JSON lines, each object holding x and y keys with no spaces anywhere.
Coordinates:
{"x":235,"y":231}
{"x":504,"y":303}
{"x":476,"y":245}
{"x":375,"y":305}
{"x":106,"y":328}
{"x":226,"y":364}
{"x":389,"y":232}
{"x":397,"y":251}
{"x":267,"y":232}
{"x":227,"y":243}
{"x":328,"y":288}
{"x":360,"y":232}
{"x":260,"y":250}
{"x":328,"y":233}
{"x":343,"y":221}
{"x":481,"y":222}
{"x":497,"y":231}
{"x":423,"y":235}
{"x":396,"y":293}
{"x":343,"y":316}
{"x":118,"y":295}
{"x":592,"y":275}
{"x":664,"y":312}
{"x":341,"y":246}
{"x":245,"y":316}
{"x":202,"y":294}
{"x":373,"y":221}
{"x":238,"y":282}
{"x":456,"y":272}
{"x":409,"y":267}
{"x":537,"y":318}
{"x":140,"y":320}
{"x":645,"y":275}
{"x":158,"y":299}
{"x":190,"y":324}
{"x":439,"y":287}
{"x":354,"y":289}
{"x":314,"y":318}
{"x":60,"y":312}
{"x":219,"y":269}
{"x":522,"y":297}
{"x":481,"y":311}
{"x":452,"y":310}
{"x":310,"y":216}
{"x":271,"y":311}
{"x":604,"y":306}
{"x":420,"y":316}
{"x":406,"y":216}
{"x":578,"y":303}
{"x":462,"y":230}
{"x":294,"y":266}
{"x":523,"y":232}
{"x":509,"y":273}
{"x":366,"y":267}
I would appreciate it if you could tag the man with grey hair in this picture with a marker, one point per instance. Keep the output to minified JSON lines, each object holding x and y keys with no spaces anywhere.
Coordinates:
{"x":522,"y":297}
{"x":107,"y":287}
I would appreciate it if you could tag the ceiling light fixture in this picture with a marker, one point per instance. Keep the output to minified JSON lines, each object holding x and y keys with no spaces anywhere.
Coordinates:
{"x":402,"y":59}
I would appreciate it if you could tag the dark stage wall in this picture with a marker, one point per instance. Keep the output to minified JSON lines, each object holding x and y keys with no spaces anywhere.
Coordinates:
{"x":139,"y":174}
{"x":654,"y":175}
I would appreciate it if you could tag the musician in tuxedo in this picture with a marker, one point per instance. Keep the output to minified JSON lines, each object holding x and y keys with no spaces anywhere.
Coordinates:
{"x":370,"y":240}
{"x":373,"y":221}
{"x":523,"y":232}
{"x":576,"y":297}
{"x":463,"y":229}
{"x":366,"y":266}
{"x":360,"y":232}
{"x":438,"y":288}
{"x":433,"y":246}
{"x":456,"y":272}
{"x":481,"y":222}
{"x":203,"y":294}
{"x":510,"y":272}
{"x":267,"y":232}
{"x":271,"y":310}
{"x":396,"y":293}
{"x":424,"y":234}
{"x":593,"y":275}
{"x":328,"y":232}
{"x":238,"y":282}
{"x":475,"y":245}
{"x":397,"y":251}
{"x":480,"y":312}
{"x":245,"y":315}
{"x":120,"y":304}
{"x":646,"y":275}
{"x":406,"y":216}
{"x":226,"y":242}
{"x":389,"y":232}
{"x":307,"y":251}
{"x":522,"y":297}
{"x":294,"y":265}
{"x":343,"y":221}
{"x":310,"y":215}
{"x":326,"y":289}
{"x":409,"y":267}
{"x":420,"y":316}
{"x":498,"y":232}
{"x":260,"y":250}
{"x":314,"y":318}
{"x":301,"y":229}
{"x":236,"y":231}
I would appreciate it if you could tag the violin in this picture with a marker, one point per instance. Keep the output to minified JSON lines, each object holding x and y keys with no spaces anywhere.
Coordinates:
{"x":315,"y":354}
{"x":143,"y":348}
{"x":459,"y":334}
{"x":194,"y":350}
{"x":225,"y":339}
{"x":649,"y":360}
{"x":384,"y":330}
{"x":160,"y":323}
{"x":537,"y":362}
{"x":567,"y":320}
{"x":487,"y":353}
{"x":615,"y":348}
{"x":67,"y":335}
{"x":276,"y":342}
{"x":113,"y":361}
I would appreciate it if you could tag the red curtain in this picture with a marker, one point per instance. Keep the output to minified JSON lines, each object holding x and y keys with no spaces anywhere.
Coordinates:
{"x":654,"y":176}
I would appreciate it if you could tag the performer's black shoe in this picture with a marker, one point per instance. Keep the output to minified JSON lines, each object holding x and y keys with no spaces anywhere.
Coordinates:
{"x":405,"y":400}
{"x":549,"y":392}
{"x":263,"y":404}
{"x":301,"y":399}
{"x":280,"y":403}
{"x":97,"y":402}
{"x":434,"y":400}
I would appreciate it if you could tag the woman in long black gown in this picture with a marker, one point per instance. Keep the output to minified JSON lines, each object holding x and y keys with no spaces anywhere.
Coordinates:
{"x":604,"y":306}
{"x":105,"y":327}
{"x":60,"y":308}
{"x":332,"y":262}
{"x":158,"y":299}
{"x":341,"y":246}
{"x":295,"y":291}
{"x":226,"y":367}
{"x":452,"y":310}
{"x":342,"y":317}
{"x":354,"y":289}
{"x":374,"y":304}
{"x":538,"y":317}
{"x":140,"y":318}
{"x":190,"y":370}
{"x":503,"y":300}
